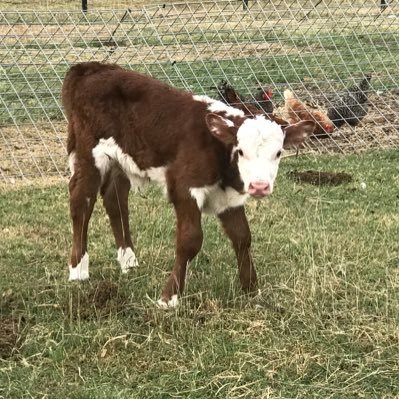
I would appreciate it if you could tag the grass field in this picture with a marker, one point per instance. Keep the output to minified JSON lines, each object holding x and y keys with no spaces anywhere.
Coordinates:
{"x":324,"y":324}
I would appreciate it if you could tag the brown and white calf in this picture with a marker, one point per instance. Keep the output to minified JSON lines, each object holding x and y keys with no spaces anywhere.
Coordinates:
{"x":126,"y":128}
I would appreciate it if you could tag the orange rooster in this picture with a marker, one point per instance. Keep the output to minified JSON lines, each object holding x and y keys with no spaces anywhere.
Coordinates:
{"x":298,"y":111}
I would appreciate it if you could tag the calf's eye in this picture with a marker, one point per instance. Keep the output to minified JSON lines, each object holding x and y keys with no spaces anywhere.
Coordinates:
{"x":278,"y":155}
{"x":240,"y":153}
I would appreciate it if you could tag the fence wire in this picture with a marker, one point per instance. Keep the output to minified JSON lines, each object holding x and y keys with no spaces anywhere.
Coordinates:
{"x":314,"y":48}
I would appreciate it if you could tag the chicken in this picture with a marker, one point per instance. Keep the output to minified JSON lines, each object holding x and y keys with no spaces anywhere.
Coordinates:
{"x":298,"y":111}
{"x":262,"y":99}
{"x":352,"y":106}
{"x":229,"y":96}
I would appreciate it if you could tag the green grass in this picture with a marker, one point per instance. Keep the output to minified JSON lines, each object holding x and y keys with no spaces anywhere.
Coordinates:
{"x":33,"y":93}
{"x":324,"y":324}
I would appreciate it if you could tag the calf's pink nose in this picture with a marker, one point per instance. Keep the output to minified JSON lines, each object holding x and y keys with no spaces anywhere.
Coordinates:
{"x":259,"y":188}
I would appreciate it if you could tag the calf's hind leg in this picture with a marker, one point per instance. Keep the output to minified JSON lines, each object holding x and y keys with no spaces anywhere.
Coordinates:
{"x":83,"y":189}
{"x":115,"y":194}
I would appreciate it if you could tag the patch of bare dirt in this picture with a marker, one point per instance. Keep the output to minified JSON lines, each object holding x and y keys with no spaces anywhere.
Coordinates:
{"x":10,"y":336}
{"x":97,"y":302}
{"x":320,"y":178}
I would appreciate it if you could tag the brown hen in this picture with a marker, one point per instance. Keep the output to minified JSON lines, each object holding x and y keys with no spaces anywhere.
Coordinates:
{"x":298,"y":111}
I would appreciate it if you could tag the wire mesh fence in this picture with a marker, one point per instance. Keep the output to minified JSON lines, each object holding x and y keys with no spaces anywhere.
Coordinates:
{"x":317,"y":49}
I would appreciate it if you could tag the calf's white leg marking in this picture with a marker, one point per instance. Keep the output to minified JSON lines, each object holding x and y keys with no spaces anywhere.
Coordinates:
{"x":127,"y":259}
{"x":81,"y":271}
{"x":171,"y":304}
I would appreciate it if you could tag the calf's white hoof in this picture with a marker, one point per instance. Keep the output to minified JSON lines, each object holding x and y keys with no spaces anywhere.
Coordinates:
{"x":171,"y":304}
{"x":81,"y":271}
{"x":127,"y":259}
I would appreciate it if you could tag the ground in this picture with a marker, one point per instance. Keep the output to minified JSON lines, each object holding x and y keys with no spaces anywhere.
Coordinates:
{"x":323,"y":324}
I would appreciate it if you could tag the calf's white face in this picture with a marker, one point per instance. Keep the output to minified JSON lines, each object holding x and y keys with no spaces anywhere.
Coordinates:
{"x":259,"y":147}
{"x":258,"y":144}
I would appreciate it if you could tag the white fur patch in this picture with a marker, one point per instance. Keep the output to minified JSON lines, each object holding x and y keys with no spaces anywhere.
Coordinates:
{"x":81,"y":271}
{"x":215,"y":200}
{"x":158,"y":175}
{"x":107,"y":151}
{"x":171,"y":304}
{"x":259,"y":140}
{"x":229,"y":122}
{"x":127,"y":259}
{"x":200,"y":195}
{"x":71,"y":162}
{"x":219,"y":106}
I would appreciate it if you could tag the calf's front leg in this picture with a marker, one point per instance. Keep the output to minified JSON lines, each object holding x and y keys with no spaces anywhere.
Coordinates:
{"x":235,"y":225}
{"x":188,"y":244}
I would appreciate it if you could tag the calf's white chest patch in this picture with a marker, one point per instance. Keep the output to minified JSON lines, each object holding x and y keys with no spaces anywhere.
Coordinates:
{"x":214,"y":200}
{"x":107,"y":152}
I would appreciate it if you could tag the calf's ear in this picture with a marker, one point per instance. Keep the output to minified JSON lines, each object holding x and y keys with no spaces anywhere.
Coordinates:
{"x":221,"y":128}
{"x":297,"y":133}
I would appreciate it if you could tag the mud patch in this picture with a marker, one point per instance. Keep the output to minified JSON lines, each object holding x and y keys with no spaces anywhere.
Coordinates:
{"x":10,"y":336}
{"x":318,"y":178}
{"x":100,"y":301}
